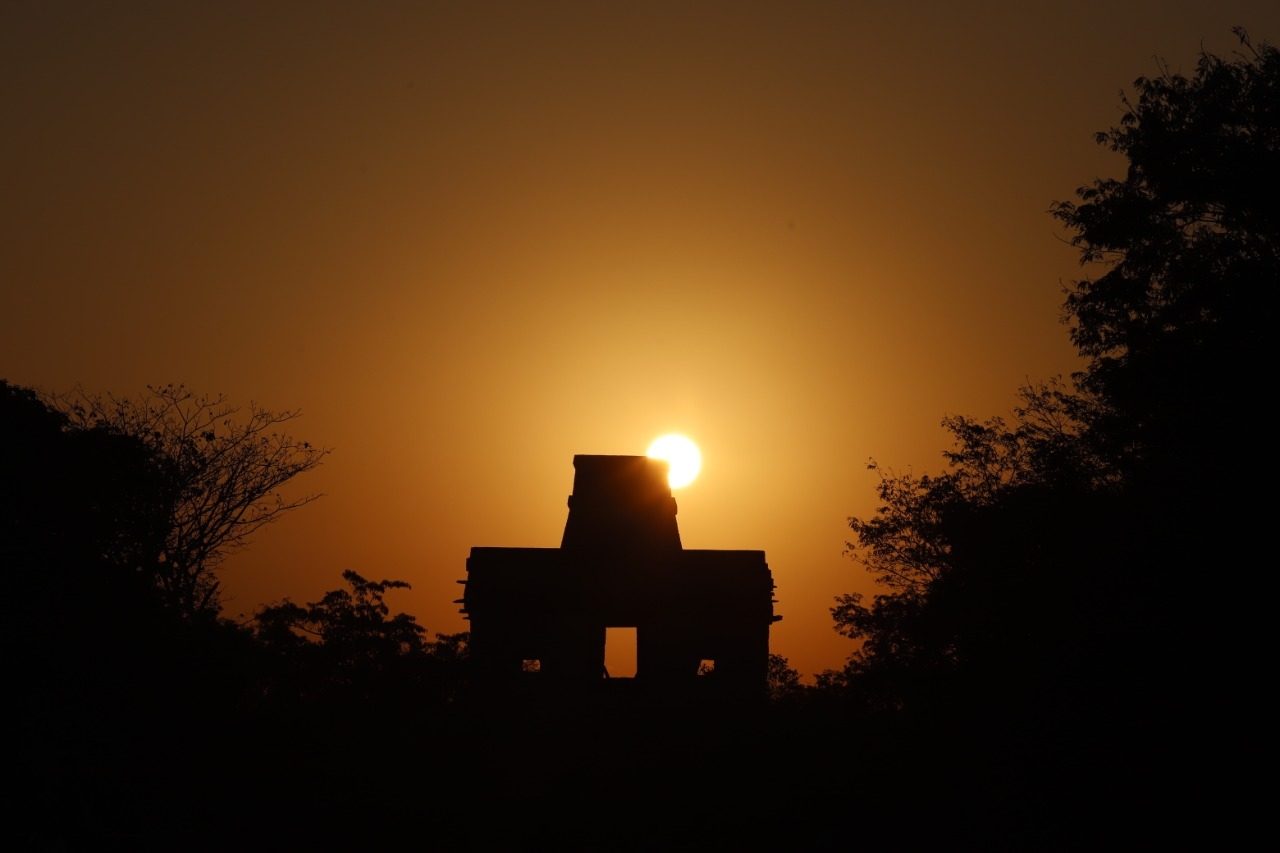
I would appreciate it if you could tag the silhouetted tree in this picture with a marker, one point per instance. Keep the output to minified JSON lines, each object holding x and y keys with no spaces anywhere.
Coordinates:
{"x":353,"y":621}
{"x":783,"y":679}
{"x":224,"y":469}
{"x":452,"y":655}
{"x":112,"y":690}
{"x":348,"y":645}
{"x":1037,"y":590}
{"x":1177,"y":322}
{"x":1187,"y":248}
{"x":922,"y":544}
{"x":82,"y":511}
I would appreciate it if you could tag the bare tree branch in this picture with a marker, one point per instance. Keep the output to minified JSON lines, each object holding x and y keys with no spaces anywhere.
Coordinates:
{"x":225,"y":467}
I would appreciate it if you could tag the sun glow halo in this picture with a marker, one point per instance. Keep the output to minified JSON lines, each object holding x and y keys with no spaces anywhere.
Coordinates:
{"x":681,"y":455}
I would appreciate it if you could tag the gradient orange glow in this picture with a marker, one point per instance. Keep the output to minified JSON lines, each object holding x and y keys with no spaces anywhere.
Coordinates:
{"x":472,"y":241}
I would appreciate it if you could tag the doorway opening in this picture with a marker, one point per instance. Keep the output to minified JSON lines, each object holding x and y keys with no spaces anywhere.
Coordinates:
{"x":620,"y":652}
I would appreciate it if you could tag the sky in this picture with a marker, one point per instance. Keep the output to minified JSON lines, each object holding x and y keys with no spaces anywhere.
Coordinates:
{"x":471,"y":240}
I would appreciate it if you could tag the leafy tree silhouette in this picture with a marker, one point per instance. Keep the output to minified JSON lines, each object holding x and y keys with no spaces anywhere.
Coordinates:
{"x":225,"y":468}
{"x":1188,"y":242}
{"x":81,"y":513}
{"x":348,"y":646}
{"x":783,"y":679}
{"x":978,"y":559}
{"x":111,"y":690}
{"x":138,"y":723}
{"x":1185,"y":246}
{"x":1036,"y":587}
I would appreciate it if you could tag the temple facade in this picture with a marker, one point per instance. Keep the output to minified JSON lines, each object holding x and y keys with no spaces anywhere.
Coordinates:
{"x":620,"y":564}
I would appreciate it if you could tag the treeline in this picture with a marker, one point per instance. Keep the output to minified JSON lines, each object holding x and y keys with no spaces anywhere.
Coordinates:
{"x":141,"y":713}
{"x":1068,"y":609}
{"x":115,"y":518}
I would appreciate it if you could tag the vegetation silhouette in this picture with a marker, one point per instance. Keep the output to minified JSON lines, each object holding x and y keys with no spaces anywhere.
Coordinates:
{"x":348,"y":648}
{"x":1040,"y":599}
{"x":224,"y":468}
{"x":1040,"y":670}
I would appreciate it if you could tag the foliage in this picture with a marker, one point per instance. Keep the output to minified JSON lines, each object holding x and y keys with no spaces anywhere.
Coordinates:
{"x":1188,"y":246}
{"x":1053,"y":549}
{"x":107,"y":683}
{"x":80,"y":510}
{"x":349,"y":644}
{"x":1190,"y":216}
{"x":983,"y":563}
{"x":783,"y":680}
{"x":905,"y":546}
{"x":354,"y":624}
{"x":224,"y":468}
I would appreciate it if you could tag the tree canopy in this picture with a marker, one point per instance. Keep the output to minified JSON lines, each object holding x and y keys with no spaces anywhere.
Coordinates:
{"x":348,"y":645}
{"x":1186,"y":235}
{"x":1057,"y":548}
{"x":1185,"y":248}
{"x":224,"y":468}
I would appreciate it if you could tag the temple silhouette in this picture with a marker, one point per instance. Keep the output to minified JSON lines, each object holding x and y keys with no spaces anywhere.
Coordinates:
{"x":541,"y":614}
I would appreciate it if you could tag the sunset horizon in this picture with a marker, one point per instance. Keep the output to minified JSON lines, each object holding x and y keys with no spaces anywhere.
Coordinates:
{"x":468,"y":246}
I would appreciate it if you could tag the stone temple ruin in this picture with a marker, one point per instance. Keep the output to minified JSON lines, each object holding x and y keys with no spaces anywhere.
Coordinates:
{"x":620,"y":565}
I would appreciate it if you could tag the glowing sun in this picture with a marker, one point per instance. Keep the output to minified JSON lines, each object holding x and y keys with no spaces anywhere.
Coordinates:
{"x":682,"y":456}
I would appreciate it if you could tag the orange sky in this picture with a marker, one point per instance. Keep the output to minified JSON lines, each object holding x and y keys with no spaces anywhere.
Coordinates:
{"x":472,"y":240}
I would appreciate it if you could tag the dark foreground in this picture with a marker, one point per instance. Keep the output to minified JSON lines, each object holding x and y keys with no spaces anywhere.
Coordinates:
{"x":609,"y":772}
